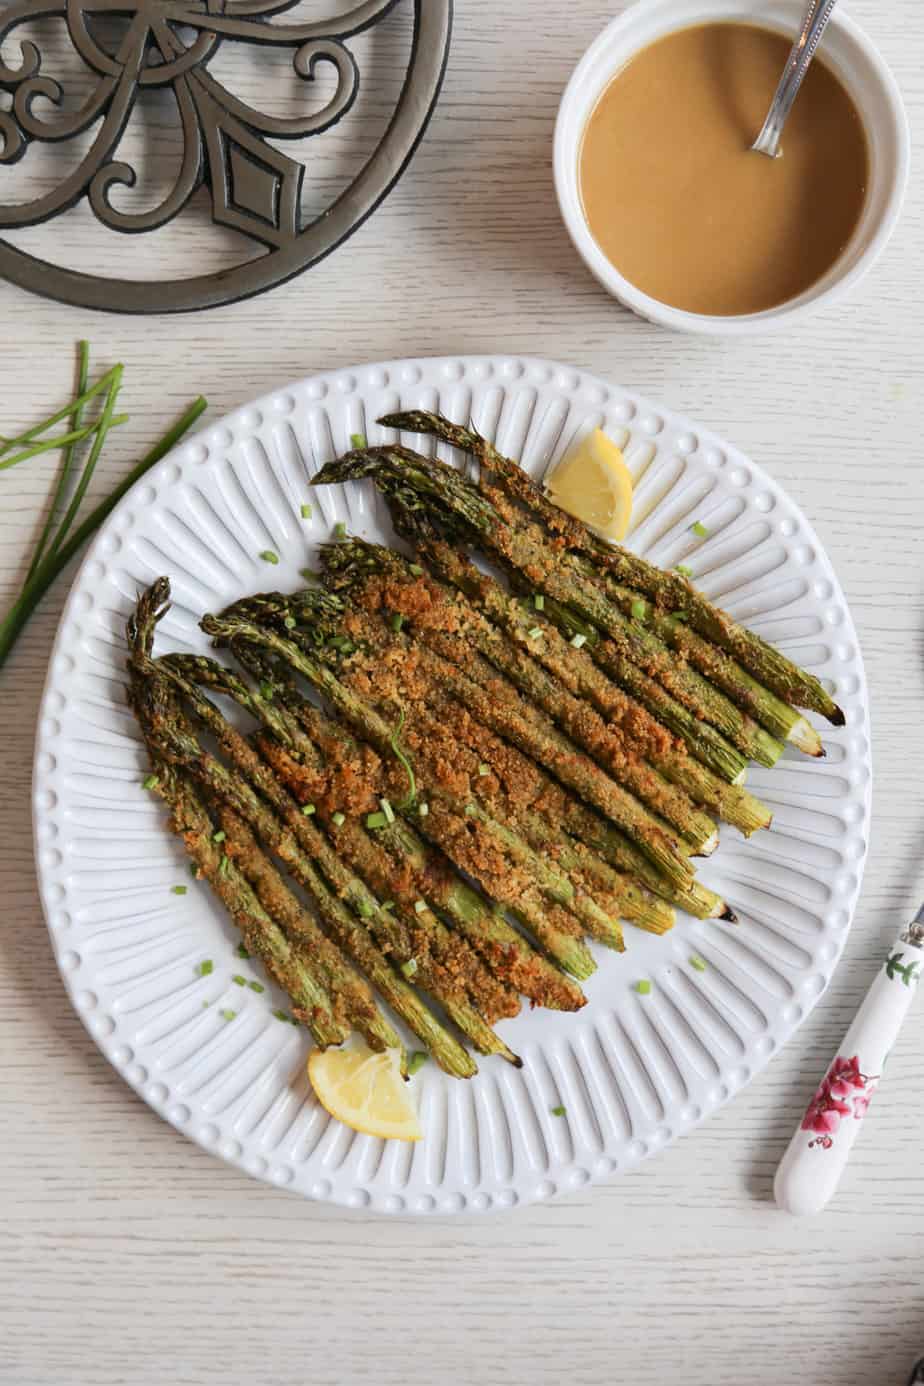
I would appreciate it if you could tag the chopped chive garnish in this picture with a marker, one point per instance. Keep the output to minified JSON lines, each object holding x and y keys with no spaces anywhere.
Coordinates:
{"x":680,"y":617}
{"x":484,"y":769}
{"x":387,"y":905}
{"x":205,"y":1005}
{"x":376,"y":820}
{"x":306,"y":511}
{"x":364,"y":909}
{"x":416,"y":1062}
{"x":358,"y":440}
{"x":578,"y":640}
{"x":387,"y":810}
{"x":419,"y":906}
{"x":559,"y":1110}
{"x":699,"y":529}
{"x":699,"y":963}
{"x":267,"y":691}
{"x":150,"y":782}
{"x":282,"y":1015}
{"x":269,"y":557}
{"x":308,"y":810}
{"x":423,"y":810}
{"x":340,"y":530}
{"x":178,"y":890}
{"x":410,"y":967}
{"x":223,"y":865}
{"x":539,"y":601}
{"x":242,"y":951}
{"x":639,"y":608}
{"x":397,"y":621}
{"x":227,"y":1014}
{"x":535,"y":632}
{"x":290,"y":623}
{"x":643,"y":987}
{"x":338,"y":819}
{"x":219,"y":836}
{"x":683,"y":570}
{"x":471,"y":810}
{"x":307,"y":574}
{"x":416,"y":569}
{"x":239,"y":980}
{"x":341,"y":643}
{"x":256,"y":986}
{"x":194,"y":870}
{"x":205,"y":967}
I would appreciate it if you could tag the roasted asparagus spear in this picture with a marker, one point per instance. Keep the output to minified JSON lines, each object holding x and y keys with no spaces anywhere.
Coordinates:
{"x":669,"y":591}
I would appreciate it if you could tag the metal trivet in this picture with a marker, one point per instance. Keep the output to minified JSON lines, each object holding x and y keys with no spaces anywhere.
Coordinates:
{"x":254,"y":188}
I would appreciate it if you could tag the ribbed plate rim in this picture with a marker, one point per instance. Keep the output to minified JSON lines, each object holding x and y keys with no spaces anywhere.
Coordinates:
{"x":507,"y":369}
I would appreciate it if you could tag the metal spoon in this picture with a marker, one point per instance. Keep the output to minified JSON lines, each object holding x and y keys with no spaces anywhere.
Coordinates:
{"x":803,"y":51}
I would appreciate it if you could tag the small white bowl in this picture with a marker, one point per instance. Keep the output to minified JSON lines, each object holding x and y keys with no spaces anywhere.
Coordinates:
{"x":845,"y":48}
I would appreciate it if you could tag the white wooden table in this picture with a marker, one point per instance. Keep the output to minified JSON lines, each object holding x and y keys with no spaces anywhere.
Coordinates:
{"x":127,"y":1255}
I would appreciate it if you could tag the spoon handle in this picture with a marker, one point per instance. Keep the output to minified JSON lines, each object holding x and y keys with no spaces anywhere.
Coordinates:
{"x":803,"y":51}
{"x":817,"y":1155}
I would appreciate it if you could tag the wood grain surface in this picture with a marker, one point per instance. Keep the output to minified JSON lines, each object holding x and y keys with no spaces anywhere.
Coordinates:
{"x":128,"y":1257}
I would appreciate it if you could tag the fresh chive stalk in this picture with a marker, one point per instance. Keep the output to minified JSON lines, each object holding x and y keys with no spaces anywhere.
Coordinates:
{"x":57,"y":553}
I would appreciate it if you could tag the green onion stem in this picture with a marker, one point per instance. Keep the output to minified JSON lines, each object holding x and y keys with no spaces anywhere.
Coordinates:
{"x":80,"y":490}
{"x":61,"y":440}
{"x":102,"y":384}
{"x":54,"y":563}
{"x":83,"y":371}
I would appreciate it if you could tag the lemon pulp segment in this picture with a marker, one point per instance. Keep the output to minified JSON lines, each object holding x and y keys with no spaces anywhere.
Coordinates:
{"x":593,"y":483}
{"x":365,"y":1091}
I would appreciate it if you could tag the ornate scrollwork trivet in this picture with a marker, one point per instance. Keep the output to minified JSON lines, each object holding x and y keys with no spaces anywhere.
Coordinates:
{"x":255,"y":188}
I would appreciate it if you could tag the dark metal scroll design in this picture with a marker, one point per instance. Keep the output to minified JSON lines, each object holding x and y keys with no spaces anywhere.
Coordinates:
{"x":255,"y":188}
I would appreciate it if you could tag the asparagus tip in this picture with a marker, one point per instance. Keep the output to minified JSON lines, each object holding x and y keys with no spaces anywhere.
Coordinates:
{"x":837,"y":718}
{"x":728,"y":914}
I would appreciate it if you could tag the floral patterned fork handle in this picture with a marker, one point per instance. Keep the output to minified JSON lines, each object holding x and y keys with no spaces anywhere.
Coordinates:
{"x":810,"y":1170}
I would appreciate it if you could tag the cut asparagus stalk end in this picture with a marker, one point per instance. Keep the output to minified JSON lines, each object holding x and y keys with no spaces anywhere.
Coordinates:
{"x":805,"y":738}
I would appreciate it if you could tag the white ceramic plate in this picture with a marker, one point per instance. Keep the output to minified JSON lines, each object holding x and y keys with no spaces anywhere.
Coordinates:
{"x":632,"y":1072}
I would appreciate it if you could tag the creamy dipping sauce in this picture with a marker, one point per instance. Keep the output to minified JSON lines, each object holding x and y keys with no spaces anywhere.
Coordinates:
{"x":678,"y":203}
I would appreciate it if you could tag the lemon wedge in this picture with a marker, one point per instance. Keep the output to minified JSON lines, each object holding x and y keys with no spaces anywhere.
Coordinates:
{"x":365,"y":1091}
{"x":593,"y":483}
